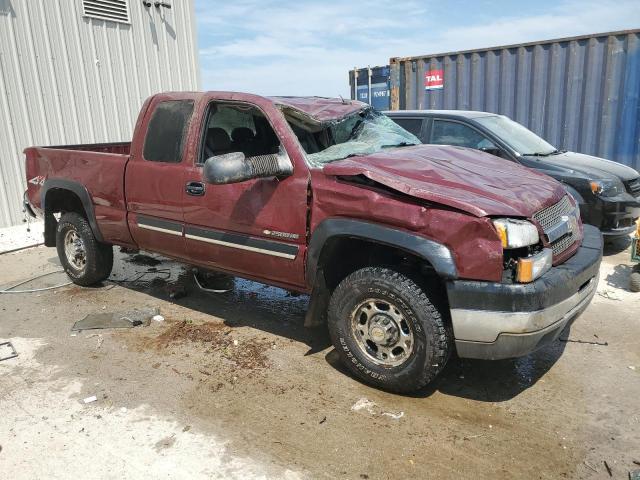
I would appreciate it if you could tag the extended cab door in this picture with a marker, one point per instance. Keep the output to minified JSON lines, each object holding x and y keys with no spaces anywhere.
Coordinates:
{"x":154,"y":179}
{"x":256,"y":228}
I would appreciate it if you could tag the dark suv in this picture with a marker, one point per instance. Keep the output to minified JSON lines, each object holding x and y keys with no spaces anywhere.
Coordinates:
{"x":608,"y":193}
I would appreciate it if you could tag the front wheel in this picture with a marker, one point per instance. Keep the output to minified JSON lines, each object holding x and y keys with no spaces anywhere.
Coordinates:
{"x":85,"y":260}
{"x":387,"y":331}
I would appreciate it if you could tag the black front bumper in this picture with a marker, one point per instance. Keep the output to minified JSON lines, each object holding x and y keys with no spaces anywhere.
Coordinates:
{"x":614,"y":216}
{"x":498,"y":320}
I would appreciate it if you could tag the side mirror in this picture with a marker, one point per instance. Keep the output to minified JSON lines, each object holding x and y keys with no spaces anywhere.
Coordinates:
{"x":493,"y":151}
{"x":235,"y":167}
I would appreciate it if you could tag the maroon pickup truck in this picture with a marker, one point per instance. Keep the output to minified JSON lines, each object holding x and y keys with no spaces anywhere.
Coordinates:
{"x":407,"y":250}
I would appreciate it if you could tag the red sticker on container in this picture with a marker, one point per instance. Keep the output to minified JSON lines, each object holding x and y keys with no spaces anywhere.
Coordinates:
{"x":433,"y":79}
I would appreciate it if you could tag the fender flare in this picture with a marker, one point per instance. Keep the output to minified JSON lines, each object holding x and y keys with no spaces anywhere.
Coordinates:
{"x":81,"y":192}
{"x":438,"y":255}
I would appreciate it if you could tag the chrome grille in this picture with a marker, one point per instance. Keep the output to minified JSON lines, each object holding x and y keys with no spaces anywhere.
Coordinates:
{"x":634,"y":187}
{"x":562,"y":244}
{"x":552,"y":216}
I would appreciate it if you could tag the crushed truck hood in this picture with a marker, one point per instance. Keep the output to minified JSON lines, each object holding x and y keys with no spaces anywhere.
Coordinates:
{"x":461,"y":178}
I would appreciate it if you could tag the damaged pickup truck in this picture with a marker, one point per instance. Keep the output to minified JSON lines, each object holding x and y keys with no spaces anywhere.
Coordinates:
{"x":408,"y":251}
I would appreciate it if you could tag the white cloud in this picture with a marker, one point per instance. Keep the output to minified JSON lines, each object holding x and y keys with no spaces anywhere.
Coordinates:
{"x":308,"y":48}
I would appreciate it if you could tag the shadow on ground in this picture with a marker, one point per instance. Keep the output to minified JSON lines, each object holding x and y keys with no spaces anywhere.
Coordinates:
{"x":276,"y":311}
{"x":619,"y":278}
{"x":615,"y":246}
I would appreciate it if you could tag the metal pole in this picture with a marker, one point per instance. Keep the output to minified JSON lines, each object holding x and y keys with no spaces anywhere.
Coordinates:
{"x":355,"y":83}
{"x":369,"y":84}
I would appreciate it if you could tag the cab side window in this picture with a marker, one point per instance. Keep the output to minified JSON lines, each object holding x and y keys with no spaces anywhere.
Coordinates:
{"x":459,"y":135}
{"x":236,"y":127}
{"x":166,"y":131}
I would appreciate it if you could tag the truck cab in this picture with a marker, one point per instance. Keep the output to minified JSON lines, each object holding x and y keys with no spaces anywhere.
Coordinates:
{"x":407,"y":251}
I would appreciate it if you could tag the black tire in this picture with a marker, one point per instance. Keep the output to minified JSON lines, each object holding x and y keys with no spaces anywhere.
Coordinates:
{"x":98,"y":257}
{"x":432,"y":339}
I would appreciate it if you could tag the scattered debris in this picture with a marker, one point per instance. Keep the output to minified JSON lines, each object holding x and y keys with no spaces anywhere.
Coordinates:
{"x":186,"y":428}
{"x":142,"y":259}
{"x":370,"y":407}
{"x":473,"y":436}
{"x":590,"y":466}
{"x":177,"y":292}
{"x":12,"y":351}
{"x":324,"y":419}
{"x":90,"y":399}
{"x":166,"y":442}
{"x":33,"y":290}
{"x":636,"y":462}
{"x":606,"y":465}
{"x":213,"y":282}
{"x":588,"y":342}
{"x":395,"y":416}
{"x":216,"y":337}
{"x":157,"y":318}
{"x":128,"y":319}
{"x":631,"y":367}
{"x":364,"y":404}
{"x":634,"y":475}
{"x":608,"y":294}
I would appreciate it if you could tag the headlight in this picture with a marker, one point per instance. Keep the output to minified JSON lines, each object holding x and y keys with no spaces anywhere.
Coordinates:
{"x":516,"y":233}
{"x":607,"y":188}
{"x":530,"y":268}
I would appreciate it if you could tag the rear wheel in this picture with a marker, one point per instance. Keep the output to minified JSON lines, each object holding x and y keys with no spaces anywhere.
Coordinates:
{"x":387,"y":331}
{"x":85,"y":260}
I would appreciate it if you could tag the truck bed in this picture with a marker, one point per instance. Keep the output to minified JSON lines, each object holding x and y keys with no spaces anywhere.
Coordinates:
{"x":97,"y":168}
{"x":121,"y":148}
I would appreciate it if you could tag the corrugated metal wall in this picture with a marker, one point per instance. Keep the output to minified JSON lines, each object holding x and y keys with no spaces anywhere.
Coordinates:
{"x":65,"y":78}
{"x":580,"y":93}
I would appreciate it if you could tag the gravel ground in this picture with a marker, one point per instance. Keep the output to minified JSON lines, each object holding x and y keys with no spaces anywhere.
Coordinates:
{"x":231,"y":385}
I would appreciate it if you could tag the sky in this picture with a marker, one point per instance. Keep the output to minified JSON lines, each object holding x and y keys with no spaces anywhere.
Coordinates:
{"x":291,"y":47}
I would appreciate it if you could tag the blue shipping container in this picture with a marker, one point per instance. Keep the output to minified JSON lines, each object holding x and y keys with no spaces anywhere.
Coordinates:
{"x":374,"y":81}
{"x":580,"y":93}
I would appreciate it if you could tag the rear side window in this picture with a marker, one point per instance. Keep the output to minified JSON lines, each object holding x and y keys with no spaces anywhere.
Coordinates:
{"x":167,"y":128}
{"x":413,"y":125}
{"x":457,"y":134}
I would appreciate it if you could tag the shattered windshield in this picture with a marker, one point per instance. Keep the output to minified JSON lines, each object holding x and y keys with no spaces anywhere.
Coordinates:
{"x":362,"y":133}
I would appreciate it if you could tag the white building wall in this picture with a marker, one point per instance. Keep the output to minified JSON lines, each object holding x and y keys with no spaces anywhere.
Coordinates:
{"x":69,"y":79}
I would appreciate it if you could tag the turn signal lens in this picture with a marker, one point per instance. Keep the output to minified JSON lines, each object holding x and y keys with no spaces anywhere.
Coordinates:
{"x":596,"y":187}
{"x":502,"y":233}
{"x":533,"y":267}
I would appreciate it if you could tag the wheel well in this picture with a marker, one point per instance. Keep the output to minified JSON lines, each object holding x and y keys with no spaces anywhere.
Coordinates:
{"x":341,"y":256}
{"x":59,"y":200}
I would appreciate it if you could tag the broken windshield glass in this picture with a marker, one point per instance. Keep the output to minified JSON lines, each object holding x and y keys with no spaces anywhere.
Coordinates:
{"x":363,"y":133}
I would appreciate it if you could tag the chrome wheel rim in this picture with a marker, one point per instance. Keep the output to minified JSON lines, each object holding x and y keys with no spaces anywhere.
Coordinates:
{"x":74,"y":250}
{"x":382,"y":332}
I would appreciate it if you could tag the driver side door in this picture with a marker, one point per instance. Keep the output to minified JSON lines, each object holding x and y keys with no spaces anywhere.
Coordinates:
{"x":255,"y":228}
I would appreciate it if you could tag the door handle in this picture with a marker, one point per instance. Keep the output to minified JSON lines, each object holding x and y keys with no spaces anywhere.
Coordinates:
{"x":195,"y":188}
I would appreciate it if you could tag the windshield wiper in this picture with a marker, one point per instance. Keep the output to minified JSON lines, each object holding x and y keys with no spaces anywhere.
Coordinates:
{"x":401,"y":144}
{"x":540,"y":154}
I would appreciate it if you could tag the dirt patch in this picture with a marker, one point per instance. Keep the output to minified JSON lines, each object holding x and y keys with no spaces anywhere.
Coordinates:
{"x":216,"y":338}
